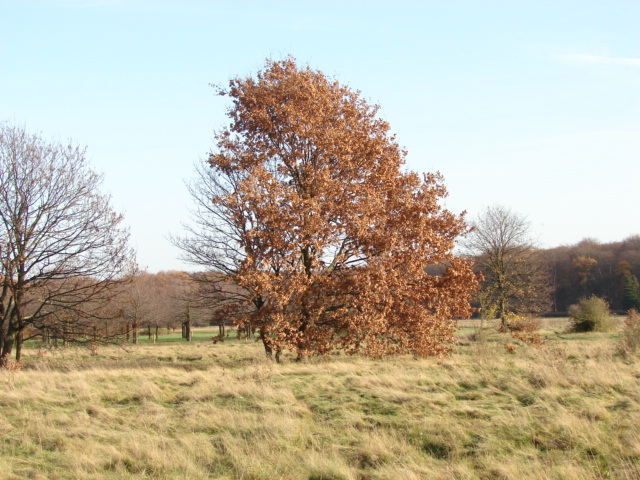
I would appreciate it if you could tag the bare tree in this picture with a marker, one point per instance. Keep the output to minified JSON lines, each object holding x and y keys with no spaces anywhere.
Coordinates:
{"x":63,"y":249}
{"x":213,"y":242}
{"x":161,"y":300}
{"x":515,"y":280}
{"x":138,"y":304}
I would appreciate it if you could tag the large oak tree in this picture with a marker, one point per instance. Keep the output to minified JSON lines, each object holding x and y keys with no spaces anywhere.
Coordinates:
{"x":306,"y":206}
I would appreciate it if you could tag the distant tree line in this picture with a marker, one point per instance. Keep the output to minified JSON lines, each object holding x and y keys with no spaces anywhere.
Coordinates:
{"x":606,"y":270}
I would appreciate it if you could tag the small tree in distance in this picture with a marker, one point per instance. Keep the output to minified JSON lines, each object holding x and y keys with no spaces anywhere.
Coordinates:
{"x":308,"y":211}
{"x":515,"y":281}
{"x":630,"y":339}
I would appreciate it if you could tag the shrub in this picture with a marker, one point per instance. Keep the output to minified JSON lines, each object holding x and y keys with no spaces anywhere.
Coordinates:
{"x":630,"y":340}
{"x":591,"y":315}
{"x":525,"y":329}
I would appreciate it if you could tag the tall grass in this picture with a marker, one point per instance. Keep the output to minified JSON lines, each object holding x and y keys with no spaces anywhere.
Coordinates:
{"x":568,"y":409}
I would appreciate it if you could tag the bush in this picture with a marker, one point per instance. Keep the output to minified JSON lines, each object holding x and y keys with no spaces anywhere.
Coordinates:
{"x":630,"y":340}
{"x":591,"y":315}
{"x":525,"y":329}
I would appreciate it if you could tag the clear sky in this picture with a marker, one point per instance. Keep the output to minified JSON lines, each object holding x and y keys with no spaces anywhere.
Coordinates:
{"x":531,"y":104}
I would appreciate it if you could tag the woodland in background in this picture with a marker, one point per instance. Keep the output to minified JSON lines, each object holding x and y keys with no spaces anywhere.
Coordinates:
{"x":576,"y":271}
{"x":161,"y":302}
{"x":591,"y":268}
{"x":518,"y":278}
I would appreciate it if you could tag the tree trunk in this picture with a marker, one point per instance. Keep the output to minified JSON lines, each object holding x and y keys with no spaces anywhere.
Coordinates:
{"x":502,"y":314}
{"x":7,"y":346}
{"x":186,"y":324}
{"x":10,"y":336}
{"x":268,"y":350}
{"x":19,"y":341}
{"x":2,"y":319}
{"x":555,"y":289}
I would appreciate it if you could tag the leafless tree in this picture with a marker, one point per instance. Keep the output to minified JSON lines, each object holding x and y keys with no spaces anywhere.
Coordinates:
{"x":184,"y":301}
{"x":515,"y":280}
{"x":63,"y":249}
{"x":160,"y":300}
{"x":138,"y":304}
{"x":214,"y":243}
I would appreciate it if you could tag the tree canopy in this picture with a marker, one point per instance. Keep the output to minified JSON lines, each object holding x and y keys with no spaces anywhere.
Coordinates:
{"x":306,"y":207}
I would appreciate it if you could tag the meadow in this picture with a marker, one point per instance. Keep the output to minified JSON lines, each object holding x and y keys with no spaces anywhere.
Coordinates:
{"x":568,"y":409}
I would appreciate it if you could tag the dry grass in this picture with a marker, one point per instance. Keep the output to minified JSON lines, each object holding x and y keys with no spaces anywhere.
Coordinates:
{"x":566,"y":410}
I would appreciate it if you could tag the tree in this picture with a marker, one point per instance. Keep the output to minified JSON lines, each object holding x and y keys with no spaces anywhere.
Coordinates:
{"x":631,"y":294}
{"x":306,"y":209}
{"x":138,"y":303}
{"x":182,"y":293}
{"x":160,"y":300}
{"x":63,"y":249}
{"x":515,"y":280}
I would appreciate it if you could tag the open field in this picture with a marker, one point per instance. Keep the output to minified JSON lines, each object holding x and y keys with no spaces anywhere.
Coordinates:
{"x":567,"y":410}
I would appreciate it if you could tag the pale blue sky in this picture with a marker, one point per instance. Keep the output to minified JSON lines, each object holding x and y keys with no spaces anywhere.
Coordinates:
{"x":534,"y":105}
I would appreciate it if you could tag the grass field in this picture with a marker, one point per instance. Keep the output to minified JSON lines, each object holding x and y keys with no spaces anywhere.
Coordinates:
{"x":567,"y":410}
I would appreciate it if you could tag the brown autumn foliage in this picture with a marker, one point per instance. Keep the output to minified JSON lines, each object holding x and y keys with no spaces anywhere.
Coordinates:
{"x":327,"y":236}
{"x":525,"y":329}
